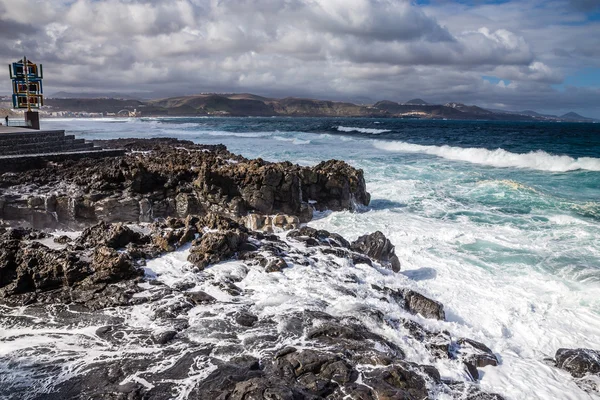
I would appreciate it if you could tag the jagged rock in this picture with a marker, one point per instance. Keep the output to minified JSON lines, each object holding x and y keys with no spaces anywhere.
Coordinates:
{"x":267,"y":223}
{"x":200,"y":297}
{"x":164,"y":337}
{"x":578,"y":362}
{"x":215,"y":247}
{"x":378,"y":247}
{"x":314,"y":237}
{"x":275,"y":264}
{"x":115,"y":236}
{"x":178,"y":178}
{"x":416,"y":303}
{"x":246,"y":319}
{"x":334,"y":185}
{"x":475,"y":355}
{"x":438,"y":343}
{"x":112,"y":266}
{"x":63,"y":239}
{"x":398,"y":381}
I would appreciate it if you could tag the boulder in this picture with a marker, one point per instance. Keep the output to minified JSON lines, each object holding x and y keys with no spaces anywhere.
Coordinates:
{"x":578,"y":362}
{"x":214,"y":247}
{"x":379,"y":248}
{"x":115,"y":236}
{"x":475,"y":355}
{"x":416,"y":303}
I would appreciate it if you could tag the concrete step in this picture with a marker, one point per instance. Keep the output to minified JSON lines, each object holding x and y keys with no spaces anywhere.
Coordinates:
{"x":16,"y":163}
{"x":31,"y":134}
{"x":46,"y":142}
{"x":32,"y":139}
{"x":65,"y":146}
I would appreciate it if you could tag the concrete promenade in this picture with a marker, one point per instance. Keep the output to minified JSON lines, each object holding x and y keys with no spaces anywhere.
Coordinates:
{"x":22,"y":148}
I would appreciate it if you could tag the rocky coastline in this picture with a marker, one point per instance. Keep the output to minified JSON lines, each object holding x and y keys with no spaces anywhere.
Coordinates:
{"x":180,"y":280}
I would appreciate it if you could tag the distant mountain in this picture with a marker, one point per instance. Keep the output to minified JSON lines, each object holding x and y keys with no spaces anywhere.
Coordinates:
{"x":416,"y":102}
{"x":246,"y":104}
{"x":572,"y":116}
{"x":469,"y":109}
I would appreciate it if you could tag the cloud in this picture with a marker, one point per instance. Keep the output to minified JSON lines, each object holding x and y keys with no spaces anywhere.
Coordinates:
{"x":339,"y":49}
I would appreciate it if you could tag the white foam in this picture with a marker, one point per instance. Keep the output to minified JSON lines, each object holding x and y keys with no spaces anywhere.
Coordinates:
{"x":361,"y":130}
{"x":501,"y":158}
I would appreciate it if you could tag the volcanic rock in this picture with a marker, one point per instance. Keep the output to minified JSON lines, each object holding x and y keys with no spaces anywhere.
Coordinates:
{"x":378,"y":247}
{"x":416,"y":303}
{"x":578,"y":362}
{"x":215,"y":247}
{"x":176,"y":179}
{"x":475,"y":355}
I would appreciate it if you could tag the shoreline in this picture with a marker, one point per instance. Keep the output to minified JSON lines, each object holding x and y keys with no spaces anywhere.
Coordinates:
{"x":283,"y":248}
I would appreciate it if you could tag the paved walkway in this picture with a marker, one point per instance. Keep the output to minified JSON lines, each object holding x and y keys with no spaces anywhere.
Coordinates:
{"x":14,"y":129}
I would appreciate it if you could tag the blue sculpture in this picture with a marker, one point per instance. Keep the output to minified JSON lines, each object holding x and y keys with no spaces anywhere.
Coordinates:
{"x":27,"y":84}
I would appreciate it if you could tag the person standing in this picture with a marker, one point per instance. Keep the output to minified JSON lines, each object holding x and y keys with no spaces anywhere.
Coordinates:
{"x":6,"y":119}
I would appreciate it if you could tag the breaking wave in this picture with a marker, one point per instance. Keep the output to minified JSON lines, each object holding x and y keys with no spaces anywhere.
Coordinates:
{"x":539,"y":160}
{"x":361,"y":130}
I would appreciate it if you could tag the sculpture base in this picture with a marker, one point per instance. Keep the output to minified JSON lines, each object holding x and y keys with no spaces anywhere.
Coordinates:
{"x":32,"y":119}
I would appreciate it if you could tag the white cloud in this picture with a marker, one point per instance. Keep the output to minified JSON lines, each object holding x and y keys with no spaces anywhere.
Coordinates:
{"x":326,"y":48}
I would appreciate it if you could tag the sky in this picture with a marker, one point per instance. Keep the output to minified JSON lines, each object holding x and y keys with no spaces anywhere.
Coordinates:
{"x":503,"y":54}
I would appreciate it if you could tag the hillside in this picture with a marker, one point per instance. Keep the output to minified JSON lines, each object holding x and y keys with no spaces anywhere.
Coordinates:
{"x":246,"y":104}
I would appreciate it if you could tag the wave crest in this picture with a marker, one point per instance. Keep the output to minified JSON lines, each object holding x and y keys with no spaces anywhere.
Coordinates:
{"x":539,"y":160}
{"x":361,"y":130}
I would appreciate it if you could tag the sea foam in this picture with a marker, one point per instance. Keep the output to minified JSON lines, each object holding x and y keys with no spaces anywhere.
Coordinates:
{"x":539,"y":160}
{"x":361,"y":130}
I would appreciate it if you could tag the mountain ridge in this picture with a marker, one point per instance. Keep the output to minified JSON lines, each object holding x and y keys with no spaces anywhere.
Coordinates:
{"x":247,"y":104}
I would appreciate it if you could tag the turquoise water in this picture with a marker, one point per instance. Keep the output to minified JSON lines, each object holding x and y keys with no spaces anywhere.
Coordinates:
{"x":499,"y":221}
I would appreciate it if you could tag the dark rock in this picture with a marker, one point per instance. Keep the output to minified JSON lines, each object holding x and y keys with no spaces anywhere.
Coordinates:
{"x":164,"y":337}
{"x":475,"y":355}
{"x":62,"y":239}
{"x":177,"y":179}
{"x":578,"y":362}
{"x":314,"y":237}
{"x":245,"y":319}
{"x":416,"y":303}
{"x":275,"y":264}
{"x":378,"y":247}
{"x":200,"y":297}
{"x":398,"y":381}
{"x":115,"y":236}
{"x":334,"y":185}
{"x":215,"y":247}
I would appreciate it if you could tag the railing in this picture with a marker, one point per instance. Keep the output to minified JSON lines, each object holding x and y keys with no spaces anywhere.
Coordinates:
{"x":17,"y":123}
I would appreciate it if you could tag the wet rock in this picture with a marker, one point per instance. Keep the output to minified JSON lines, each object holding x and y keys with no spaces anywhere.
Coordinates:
{"x":274,"y":264}
{"x":63,"y":239}
{"x":163,"y":337}
{"x":313,"y":237}
{"x":115,"y":236}
{"x":200,"y":297}
{"x":438,"y":343}
{"x":475,"y":355}
{"x":268,"y":223}
{"x":215,"y":247}
{"x":176,"y":179}
{"x":334,"y":185}
{"x":578,"y":362}
{"x":379,"y":248}
{"x":416,"y":303}
{"x":398,"y":381}
{"x":246,"y":319}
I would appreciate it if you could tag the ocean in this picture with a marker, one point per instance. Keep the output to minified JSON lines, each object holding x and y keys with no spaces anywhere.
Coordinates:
{"x":500,"y":221}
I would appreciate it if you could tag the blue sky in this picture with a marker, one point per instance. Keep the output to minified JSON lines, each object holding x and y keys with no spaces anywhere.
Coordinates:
{"x":528,"y":54}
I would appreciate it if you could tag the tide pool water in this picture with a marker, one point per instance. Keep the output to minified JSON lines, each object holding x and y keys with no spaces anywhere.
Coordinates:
{"x":499,"y":221}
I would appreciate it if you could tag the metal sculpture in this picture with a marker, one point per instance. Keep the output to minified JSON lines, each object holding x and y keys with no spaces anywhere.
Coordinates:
{"x":27,"y":84}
